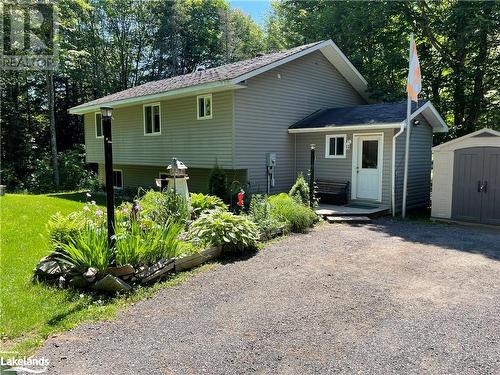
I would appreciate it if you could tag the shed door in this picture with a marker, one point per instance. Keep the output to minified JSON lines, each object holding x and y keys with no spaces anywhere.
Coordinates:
{"x":490,"y":207}
{"x":476,"y":185}
{"x":467,"y":179}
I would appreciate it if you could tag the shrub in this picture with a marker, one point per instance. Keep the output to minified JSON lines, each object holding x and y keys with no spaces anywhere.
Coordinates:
{"x":201,"y":202}
{"x":298,"y":217}
{"x":222,"y":228}
{"x":137,"y":246}
{"x":89,"y":248}
{"x":261,"y":214}
{"x":300,"y":190}
{"x":63,"y":228}
{"x":217,"y":182}
{"x":164,"y":207}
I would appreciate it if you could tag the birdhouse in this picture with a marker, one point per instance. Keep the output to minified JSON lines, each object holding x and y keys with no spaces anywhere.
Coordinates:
{"x":177,"y":169}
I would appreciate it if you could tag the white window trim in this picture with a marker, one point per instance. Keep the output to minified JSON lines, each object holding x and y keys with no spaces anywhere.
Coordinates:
{"x":327,"y":146}
{"x":121,"y":174}
{"x":144,"y":118}
{"x":198,"y":107}
{"x":95,"y":121}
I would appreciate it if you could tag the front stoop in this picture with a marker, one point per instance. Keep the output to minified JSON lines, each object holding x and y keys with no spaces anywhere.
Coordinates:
{"x":348,"y":219}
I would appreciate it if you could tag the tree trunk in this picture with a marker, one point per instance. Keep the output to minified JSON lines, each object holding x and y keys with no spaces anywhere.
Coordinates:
{"x":52,"y":119}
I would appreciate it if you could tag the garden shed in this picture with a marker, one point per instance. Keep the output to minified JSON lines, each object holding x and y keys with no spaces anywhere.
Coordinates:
{"x":466,"y":178}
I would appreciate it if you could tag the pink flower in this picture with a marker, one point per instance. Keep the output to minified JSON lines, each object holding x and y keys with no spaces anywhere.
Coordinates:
{"x":86,"y":208}
{"x":98,"y":213}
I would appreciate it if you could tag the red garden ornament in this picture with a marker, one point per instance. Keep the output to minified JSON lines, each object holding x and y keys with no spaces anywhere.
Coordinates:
{"x":241,"y":195}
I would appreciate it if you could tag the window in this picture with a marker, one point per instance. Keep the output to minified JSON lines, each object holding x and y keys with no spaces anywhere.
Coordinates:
{"x":164,"y":180}
{"x":369,"y":155}
{"x":204,"y":107}
{"x":98,"y":125}
{"x":152,"y":119}
{"x":117,"y":179}
{"x":335,"y":146}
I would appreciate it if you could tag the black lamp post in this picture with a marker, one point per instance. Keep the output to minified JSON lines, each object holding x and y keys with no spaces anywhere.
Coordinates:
{"x":311,"y":176}
{"x":106,"y":113}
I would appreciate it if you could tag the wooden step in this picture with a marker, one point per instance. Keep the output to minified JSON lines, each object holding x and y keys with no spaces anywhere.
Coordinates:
{"x":348,"y":219}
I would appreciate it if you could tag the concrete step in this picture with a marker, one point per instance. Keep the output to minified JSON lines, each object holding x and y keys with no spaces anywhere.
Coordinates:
{"x":348,"y":219}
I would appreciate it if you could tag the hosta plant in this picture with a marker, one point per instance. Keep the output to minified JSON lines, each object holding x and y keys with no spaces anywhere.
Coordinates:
{"x":222,"y":228}
{"x":201,"y":202}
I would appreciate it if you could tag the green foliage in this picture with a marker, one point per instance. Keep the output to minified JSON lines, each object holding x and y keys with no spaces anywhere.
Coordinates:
{"x":222,"y":228}
{"x":298,"y":217}
{"x":300,"y":190}
{"x":63,"y":228}
{"x":217,"y":182}
{"x":201,"y":202}
{"x":261,"y":214}
{"x":138,"y":246}
{"x":89,"y":248}
{"x":164,"y":207}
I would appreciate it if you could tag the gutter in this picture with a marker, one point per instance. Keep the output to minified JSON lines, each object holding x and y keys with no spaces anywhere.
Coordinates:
{"x":393,"y":177}
{"x":330,"y":128}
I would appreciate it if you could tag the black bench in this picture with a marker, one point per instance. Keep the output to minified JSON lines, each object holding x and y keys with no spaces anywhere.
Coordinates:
{"x":334,"y":192}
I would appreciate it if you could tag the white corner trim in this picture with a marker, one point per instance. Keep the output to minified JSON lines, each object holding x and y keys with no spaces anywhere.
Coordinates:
{"x":393,"y":168}
{"x":152,"y":122}
{"x":203,"y":96}
{"x":428,"y":107}
{"x":327,"y":146}
{"x":330,"y":128}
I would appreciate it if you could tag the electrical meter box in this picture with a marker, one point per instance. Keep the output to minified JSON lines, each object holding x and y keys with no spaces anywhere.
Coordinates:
{"x":271,"y":159}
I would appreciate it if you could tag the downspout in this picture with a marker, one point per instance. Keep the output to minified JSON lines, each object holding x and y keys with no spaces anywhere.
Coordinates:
{"x":393,"y":182}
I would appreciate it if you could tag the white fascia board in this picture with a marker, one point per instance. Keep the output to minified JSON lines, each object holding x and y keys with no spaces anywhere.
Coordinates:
{"x":393,"y":125}
{"x":333,"y":54}
{"x":432,"y":115}
{"x":186,"y":91}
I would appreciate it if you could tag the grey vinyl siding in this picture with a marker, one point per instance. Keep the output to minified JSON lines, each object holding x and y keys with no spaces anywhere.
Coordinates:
{"x":269,"y":104}
{"x":198,"y":143}
{"x":135,"y":176}
{"x":339,"y":169}
{"x":419,"y":166}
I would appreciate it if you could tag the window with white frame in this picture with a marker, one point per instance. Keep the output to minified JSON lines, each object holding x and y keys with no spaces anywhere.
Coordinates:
{"x":335,"y":146}
{"x":152,"y":119}
{"x":98,"y":125}
{"x":204,"y":106}
{"x":117,"y":179}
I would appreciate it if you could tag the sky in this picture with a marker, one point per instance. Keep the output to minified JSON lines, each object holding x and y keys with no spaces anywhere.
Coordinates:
{"x":257,"y":9}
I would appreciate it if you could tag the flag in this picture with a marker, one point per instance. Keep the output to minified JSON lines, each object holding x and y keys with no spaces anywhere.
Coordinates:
{"x":414,"y":84}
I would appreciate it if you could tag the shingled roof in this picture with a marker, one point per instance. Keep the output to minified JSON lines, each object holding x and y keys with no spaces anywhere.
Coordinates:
{"x":370,"y":114}
{"x":220,"y":73}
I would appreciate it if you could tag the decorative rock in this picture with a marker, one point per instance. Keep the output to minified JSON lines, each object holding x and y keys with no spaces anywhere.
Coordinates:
{"x":90,"y":274}
{"x":110,"y":283}
{"x":125,"y":270}
{"x":79,"y":282}
{"x":48,"y":268}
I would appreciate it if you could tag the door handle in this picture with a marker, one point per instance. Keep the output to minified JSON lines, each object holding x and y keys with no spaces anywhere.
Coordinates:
{"x":479,"y":187}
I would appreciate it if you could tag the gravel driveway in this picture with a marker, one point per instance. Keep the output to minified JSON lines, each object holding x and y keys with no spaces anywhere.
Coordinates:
{"x":389,"y":297}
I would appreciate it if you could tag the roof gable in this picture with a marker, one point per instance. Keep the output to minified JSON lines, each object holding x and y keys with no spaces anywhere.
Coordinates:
{"x":485,"y":132}
{"x":227,"y":76}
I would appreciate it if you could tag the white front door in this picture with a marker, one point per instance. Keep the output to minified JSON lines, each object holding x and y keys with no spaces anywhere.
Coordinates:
{"x":367,"y":166}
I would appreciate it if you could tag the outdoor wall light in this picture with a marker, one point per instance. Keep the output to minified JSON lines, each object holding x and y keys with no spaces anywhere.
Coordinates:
{"x":106,"y":112}
{"x":416,"y":122}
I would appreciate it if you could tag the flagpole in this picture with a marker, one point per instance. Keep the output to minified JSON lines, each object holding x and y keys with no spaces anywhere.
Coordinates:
{"x":407,"y":145}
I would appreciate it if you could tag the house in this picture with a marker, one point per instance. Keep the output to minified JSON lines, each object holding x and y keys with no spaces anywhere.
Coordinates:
{"x":466,"y":182}
{"x":267,"y":111}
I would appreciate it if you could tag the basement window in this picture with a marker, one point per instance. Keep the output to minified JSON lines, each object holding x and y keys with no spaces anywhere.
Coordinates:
{"x":117,"y":179}
{"x":152,"y":119}
{"x":204,"y":107}
{"x":335,"y":146}
{"x":98,"y":125}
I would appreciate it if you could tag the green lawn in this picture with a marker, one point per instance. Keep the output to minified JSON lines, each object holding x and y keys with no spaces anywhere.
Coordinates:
{"x":29,"y":312}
